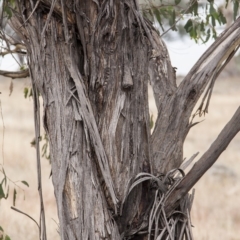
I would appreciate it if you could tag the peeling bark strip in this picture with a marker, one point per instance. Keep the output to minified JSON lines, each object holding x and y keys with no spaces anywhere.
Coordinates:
{"x":86,"y":115}
{"x":91,"y":61}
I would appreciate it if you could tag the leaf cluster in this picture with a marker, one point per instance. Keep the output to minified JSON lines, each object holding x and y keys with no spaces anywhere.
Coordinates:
{"x":5,"y":186}
{"x":3,"y":236}
{"x":8,"y":6}
{"x":27,"y":92}
{"x":199,"y":19}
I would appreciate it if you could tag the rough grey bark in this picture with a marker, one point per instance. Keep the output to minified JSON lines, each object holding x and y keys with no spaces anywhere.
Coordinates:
{"x":91,"y":61}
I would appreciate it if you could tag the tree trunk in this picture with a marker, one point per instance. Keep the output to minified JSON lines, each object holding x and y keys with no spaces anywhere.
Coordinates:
{"x":91,"y":62}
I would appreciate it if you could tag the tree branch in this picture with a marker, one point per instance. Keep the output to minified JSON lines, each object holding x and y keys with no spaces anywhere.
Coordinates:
{"x":161,"y":74}
{"x":15,"y":50}
{"x":17,"y":74}
{"x":205,"y":162}
{"x":11,"y":41}
{"x":173,"y":116}
{"x":209,"y":66}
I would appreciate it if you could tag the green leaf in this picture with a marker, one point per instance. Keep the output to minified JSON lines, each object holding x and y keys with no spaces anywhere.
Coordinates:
{"x":1,"y":233}
{"x":226,"y":5}
{"x":4,"y":181}
{"x":214,"y":33}
{"x":25,"y":91}
{"x":222,"y":18}
{"x":25,"y":183}
{"x":2,"y":195}
{"x":173,"y":21}
{"x":212,"y":10}
{"x":235,"y":9}
{"x":194,"y":8}
{"x":193,"y":33}
{"x":5,"y":176}
{"x":14,"y":196}
{"x":188,"y":25}
{"x":213,"y":21}
{"x":157,"y":14}
{"x":202,"y":27}
{"x":208,"y":35}
{"x":7,"y":237}
{"x":33,"y":143}
{"x":6,"y":196}
{"x":177,"y":2}
{"x":8,"y":11}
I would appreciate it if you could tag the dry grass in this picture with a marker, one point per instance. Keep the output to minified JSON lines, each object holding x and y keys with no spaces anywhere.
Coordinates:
{"x":20,"y":164}
{"x":216,"y":209}
{"x":215,"y":212}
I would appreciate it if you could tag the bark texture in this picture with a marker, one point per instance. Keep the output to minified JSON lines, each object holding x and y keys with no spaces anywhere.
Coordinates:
{"x":91,"y":62}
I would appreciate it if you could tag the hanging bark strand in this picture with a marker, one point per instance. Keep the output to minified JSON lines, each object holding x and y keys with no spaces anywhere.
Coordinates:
{"x":91,"y":61}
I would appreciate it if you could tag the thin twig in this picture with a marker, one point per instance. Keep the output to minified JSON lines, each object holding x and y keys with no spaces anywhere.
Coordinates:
{"x":48,"y":18}
{"x":17,"y":210}
{"x":42,"y":231}
{"x":5,"y":39}
{"x":3,"y":131}
{"x":30,"y":14}
{"x":178,"y":19}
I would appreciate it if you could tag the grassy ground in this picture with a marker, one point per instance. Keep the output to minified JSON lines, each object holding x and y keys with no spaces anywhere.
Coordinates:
{"x":215,"y":213}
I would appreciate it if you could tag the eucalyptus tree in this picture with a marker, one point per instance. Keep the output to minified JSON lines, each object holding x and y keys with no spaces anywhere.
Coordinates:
{"x":91,"y":62}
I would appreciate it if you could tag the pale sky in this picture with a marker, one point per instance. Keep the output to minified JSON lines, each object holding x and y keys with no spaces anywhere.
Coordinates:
{"x":185,"y":53}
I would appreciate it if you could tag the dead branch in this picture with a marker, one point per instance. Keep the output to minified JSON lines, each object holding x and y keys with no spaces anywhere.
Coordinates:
{"x":209,"y":66}
{"x":15,"y":50}
{"x":17,"y":74}
{"x":17,"y":210}
{"x":205,"y":162}
{"x":11,"y":41}
{"x":175,"y":109}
